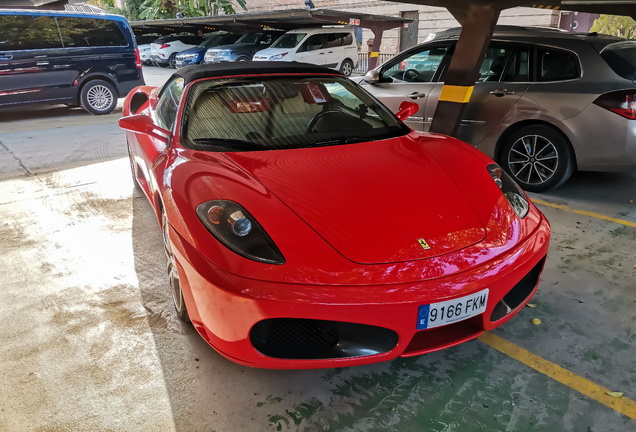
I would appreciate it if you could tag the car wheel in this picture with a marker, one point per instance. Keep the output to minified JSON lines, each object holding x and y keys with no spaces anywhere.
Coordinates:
{"x":346,"y":68}
{"x":173,"y":60}
{"x":173,"y":273}
{"x":242,"y":59}
{"x":98,"y":97}
{"x":538,"y":157}
{"x":132,"y":169}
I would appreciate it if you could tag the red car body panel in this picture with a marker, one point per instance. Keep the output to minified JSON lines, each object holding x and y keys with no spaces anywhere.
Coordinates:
{"x":347,"y":220}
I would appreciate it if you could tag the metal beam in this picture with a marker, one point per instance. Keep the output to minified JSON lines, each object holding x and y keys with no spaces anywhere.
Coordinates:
{"x":478,"y":23}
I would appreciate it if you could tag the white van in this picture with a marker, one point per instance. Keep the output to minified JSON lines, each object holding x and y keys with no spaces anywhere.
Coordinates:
{"x":334,"y":48}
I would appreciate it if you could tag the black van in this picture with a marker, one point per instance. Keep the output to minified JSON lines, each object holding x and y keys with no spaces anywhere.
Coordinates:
{"x":66,"y":58}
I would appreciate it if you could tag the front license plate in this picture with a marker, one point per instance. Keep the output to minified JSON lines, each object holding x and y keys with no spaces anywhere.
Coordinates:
{"x":451,"y":311}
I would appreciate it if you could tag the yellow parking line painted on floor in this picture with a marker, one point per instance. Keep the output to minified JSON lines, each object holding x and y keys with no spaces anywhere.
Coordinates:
{"x":623,"y":405}
{"x":585,"y":213}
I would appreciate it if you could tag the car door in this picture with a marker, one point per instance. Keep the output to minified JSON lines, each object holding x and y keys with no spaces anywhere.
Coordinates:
{"x":29,"y":45}
{"x":503,"y":79}
{"x":151,"y":151}
{"x":410,"y":76}
{"x":313,"y":50}
{"x":335,"y":49}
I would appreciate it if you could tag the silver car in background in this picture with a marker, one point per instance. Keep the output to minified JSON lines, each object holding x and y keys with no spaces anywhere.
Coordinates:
{"x":547,"y":102}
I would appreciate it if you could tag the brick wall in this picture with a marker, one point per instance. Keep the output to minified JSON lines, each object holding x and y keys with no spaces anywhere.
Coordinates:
{"x":432,"y":19}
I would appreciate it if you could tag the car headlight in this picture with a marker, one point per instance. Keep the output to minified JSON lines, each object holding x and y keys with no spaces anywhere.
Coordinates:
{"x":233,"y":226}
{"x":278,"y":56}
{"x":510,"y":189}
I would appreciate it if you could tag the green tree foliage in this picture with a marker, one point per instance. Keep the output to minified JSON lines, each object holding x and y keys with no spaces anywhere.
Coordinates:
{"x":157,"y":9}
{"x":615,"y":25}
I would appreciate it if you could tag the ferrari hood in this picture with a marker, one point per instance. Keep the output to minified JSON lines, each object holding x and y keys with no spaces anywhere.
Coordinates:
{"x":380,"y":202}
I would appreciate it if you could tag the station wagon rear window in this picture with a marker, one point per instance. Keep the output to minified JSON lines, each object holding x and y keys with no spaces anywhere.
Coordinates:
{"x":621,"y":57}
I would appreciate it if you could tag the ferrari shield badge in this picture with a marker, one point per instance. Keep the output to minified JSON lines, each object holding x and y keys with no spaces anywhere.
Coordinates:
{"x":423,"y":243}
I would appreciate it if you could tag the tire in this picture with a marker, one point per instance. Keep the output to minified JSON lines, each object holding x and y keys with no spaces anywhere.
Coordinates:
{"x":538,"y":157}
{"x":346,"y":68}
{"x":172,"y":61}
{"x":173,"y":273}
{"x":98,"y":97}
{"x":132,"y":169}
{"x":242,"y":59}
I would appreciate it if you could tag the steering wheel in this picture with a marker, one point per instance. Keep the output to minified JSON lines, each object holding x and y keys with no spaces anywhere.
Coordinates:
{"x":411,"y":75}
{"x":317,"y":117}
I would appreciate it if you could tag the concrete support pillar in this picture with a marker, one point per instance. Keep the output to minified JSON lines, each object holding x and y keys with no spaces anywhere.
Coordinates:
{"x":478,"y":23}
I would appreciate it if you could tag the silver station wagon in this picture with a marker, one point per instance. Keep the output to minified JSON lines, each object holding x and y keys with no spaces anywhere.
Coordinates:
{"x":547,"y":102}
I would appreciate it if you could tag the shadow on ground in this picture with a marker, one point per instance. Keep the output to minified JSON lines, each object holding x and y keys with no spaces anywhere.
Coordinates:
{"x":467,"y":388}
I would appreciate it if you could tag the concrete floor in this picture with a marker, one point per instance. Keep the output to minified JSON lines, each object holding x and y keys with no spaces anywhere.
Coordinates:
{"x":90,"y":341}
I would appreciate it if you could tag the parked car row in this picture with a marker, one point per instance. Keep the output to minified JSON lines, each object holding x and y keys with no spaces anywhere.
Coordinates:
{"x":334,"y":48}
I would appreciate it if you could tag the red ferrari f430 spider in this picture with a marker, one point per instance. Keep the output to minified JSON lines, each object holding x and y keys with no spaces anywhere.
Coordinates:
{"x":306,"y":226}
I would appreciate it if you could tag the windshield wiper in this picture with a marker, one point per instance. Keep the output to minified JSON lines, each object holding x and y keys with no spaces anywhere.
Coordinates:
{"x":336,"y":140}
{"x":231,"y":143}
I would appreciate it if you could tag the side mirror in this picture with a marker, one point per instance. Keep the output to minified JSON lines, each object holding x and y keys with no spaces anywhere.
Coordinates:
{"x":137,"y":100}
{"x":406,"y":110}
{"x":143,"y":124}
{"x":372,"y":77}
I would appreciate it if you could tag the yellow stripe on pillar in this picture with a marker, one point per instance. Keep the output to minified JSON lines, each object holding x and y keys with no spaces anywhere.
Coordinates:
{"x":458,"y":94}
{"x":374,"y":54}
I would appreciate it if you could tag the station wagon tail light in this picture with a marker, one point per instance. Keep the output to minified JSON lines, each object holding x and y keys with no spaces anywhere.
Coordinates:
{"x":622,"y":103}
{"x":137,"y":58}
{"x":510,"y":189}
{"x":237,"y":230}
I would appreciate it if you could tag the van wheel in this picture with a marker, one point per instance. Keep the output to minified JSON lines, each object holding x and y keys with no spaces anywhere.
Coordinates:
{"x":98,"y":97}
{"x":538,"y":157}
{"x":173,"y":61}
{"x":346,"y":68}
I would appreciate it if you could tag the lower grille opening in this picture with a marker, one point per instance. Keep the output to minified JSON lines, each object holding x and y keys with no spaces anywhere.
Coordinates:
{"x":518,"y":293}
{"x":443,"y":337}
{"x":296,"y":338}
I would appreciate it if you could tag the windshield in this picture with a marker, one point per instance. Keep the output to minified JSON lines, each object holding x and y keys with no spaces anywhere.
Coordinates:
{"x":208,"y":43}
{"x":290,"y":40}
{"x":621,"y":57}
{"x":249,"y":38}
{"x":252,"y":114}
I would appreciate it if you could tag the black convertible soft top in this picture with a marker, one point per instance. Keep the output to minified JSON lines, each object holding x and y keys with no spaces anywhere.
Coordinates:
{"x":195,"y":72}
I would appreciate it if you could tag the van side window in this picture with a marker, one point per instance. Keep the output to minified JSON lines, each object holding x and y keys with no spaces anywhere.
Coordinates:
{"x":518,"y":70}
{"x":90,"y":32}
{"x":339,"y":39}
{"x":312,"y":43}
{"x":168,"y":103}
{"x":28,"y":32}
{"x":555,"y":65}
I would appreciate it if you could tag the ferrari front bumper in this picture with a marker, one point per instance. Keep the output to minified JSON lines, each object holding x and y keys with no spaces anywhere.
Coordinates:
{"x":227,"y":309}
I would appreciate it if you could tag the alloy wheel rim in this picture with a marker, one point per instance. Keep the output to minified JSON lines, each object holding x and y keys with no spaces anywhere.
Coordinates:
{"x":346,"y":69}
{"x":533,"y":159}
{"x":99,"y":97}
{"x":173,"y":274}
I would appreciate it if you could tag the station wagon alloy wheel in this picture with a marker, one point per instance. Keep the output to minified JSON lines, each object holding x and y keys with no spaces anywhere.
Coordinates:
{"x":538,"y":157}
{"x":533,"y":159}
